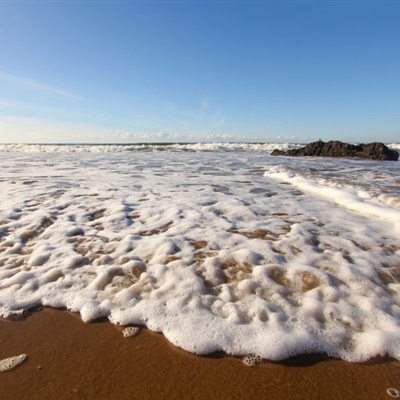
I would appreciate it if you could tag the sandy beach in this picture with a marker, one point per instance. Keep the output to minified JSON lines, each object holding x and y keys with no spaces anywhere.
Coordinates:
{"x":68,"y":359}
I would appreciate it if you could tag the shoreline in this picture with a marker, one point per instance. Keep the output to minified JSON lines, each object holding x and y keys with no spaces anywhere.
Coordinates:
{"x":70,"y":359}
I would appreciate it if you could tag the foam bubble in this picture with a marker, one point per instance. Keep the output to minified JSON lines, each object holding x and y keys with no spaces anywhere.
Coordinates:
{"x":392,"y":392}
{"x":251,"y":360}
{"x":10,"y":363}
{"x":130,"y":331}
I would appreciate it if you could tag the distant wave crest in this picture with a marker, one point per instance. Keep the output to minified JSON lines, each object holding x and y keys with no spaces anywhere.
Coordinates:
{"x":149,"y":147}
{"x":155,"y":147}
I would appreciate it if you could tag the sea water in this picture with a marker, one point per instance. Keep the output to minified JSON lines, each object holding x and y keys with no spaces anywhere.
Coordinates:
{"x":217,"y":246}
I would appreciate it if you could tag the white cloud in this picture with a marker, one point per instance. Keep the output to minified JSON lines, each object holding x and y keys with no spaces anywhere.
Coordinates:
{"x":18,"y":105}
{"x":30,"y":130}
{"x":205,"y":103}
{"x":282,"y":138}
{"x":149,"y":137}
{"x":31,"y":84}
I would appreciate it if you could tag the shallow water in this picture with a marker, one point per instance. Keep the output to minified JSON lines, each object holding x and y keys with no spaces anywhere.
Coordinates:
{"x":219,"y":250}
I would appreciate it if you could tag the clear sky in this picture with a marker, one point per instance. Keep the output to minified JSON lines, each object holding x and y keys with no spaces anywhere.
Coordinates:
{"x":132,"y":71}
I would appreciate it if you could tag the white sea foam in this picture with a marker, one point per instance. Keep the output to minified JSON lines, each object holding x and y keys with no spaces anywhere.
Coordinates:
{"x":348,"y":196}
{"x":148,"y":147}
{"x":11,"y":362}
{"x":394,"y":146}
{"x":240,"y":252}
{"x":130,"y":331}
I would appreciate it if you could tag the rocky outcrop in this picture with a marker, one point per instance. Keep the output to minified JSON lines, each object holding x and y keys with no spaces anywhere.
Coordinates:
{"x":335,"y":148}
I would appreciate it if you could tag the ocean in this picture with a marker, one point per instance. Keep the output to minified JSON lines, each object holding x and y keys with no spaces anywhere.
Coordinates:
{"x":221,"y":247}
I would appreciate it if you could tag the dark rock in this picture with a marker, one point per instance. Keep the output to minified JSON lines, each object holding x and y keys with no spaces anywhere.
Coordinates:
{"x":278,"y":152}
{"x":335,"y":148}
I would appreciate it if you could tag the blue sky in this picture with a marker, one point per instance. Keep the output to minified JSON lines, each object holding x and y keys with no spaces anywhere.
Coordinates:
{"x":99,"y":71}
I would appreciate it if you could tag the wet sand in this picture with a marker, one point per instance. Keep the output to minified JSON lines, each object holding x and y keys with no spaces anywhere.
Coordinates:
{"x":68,"y":359}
